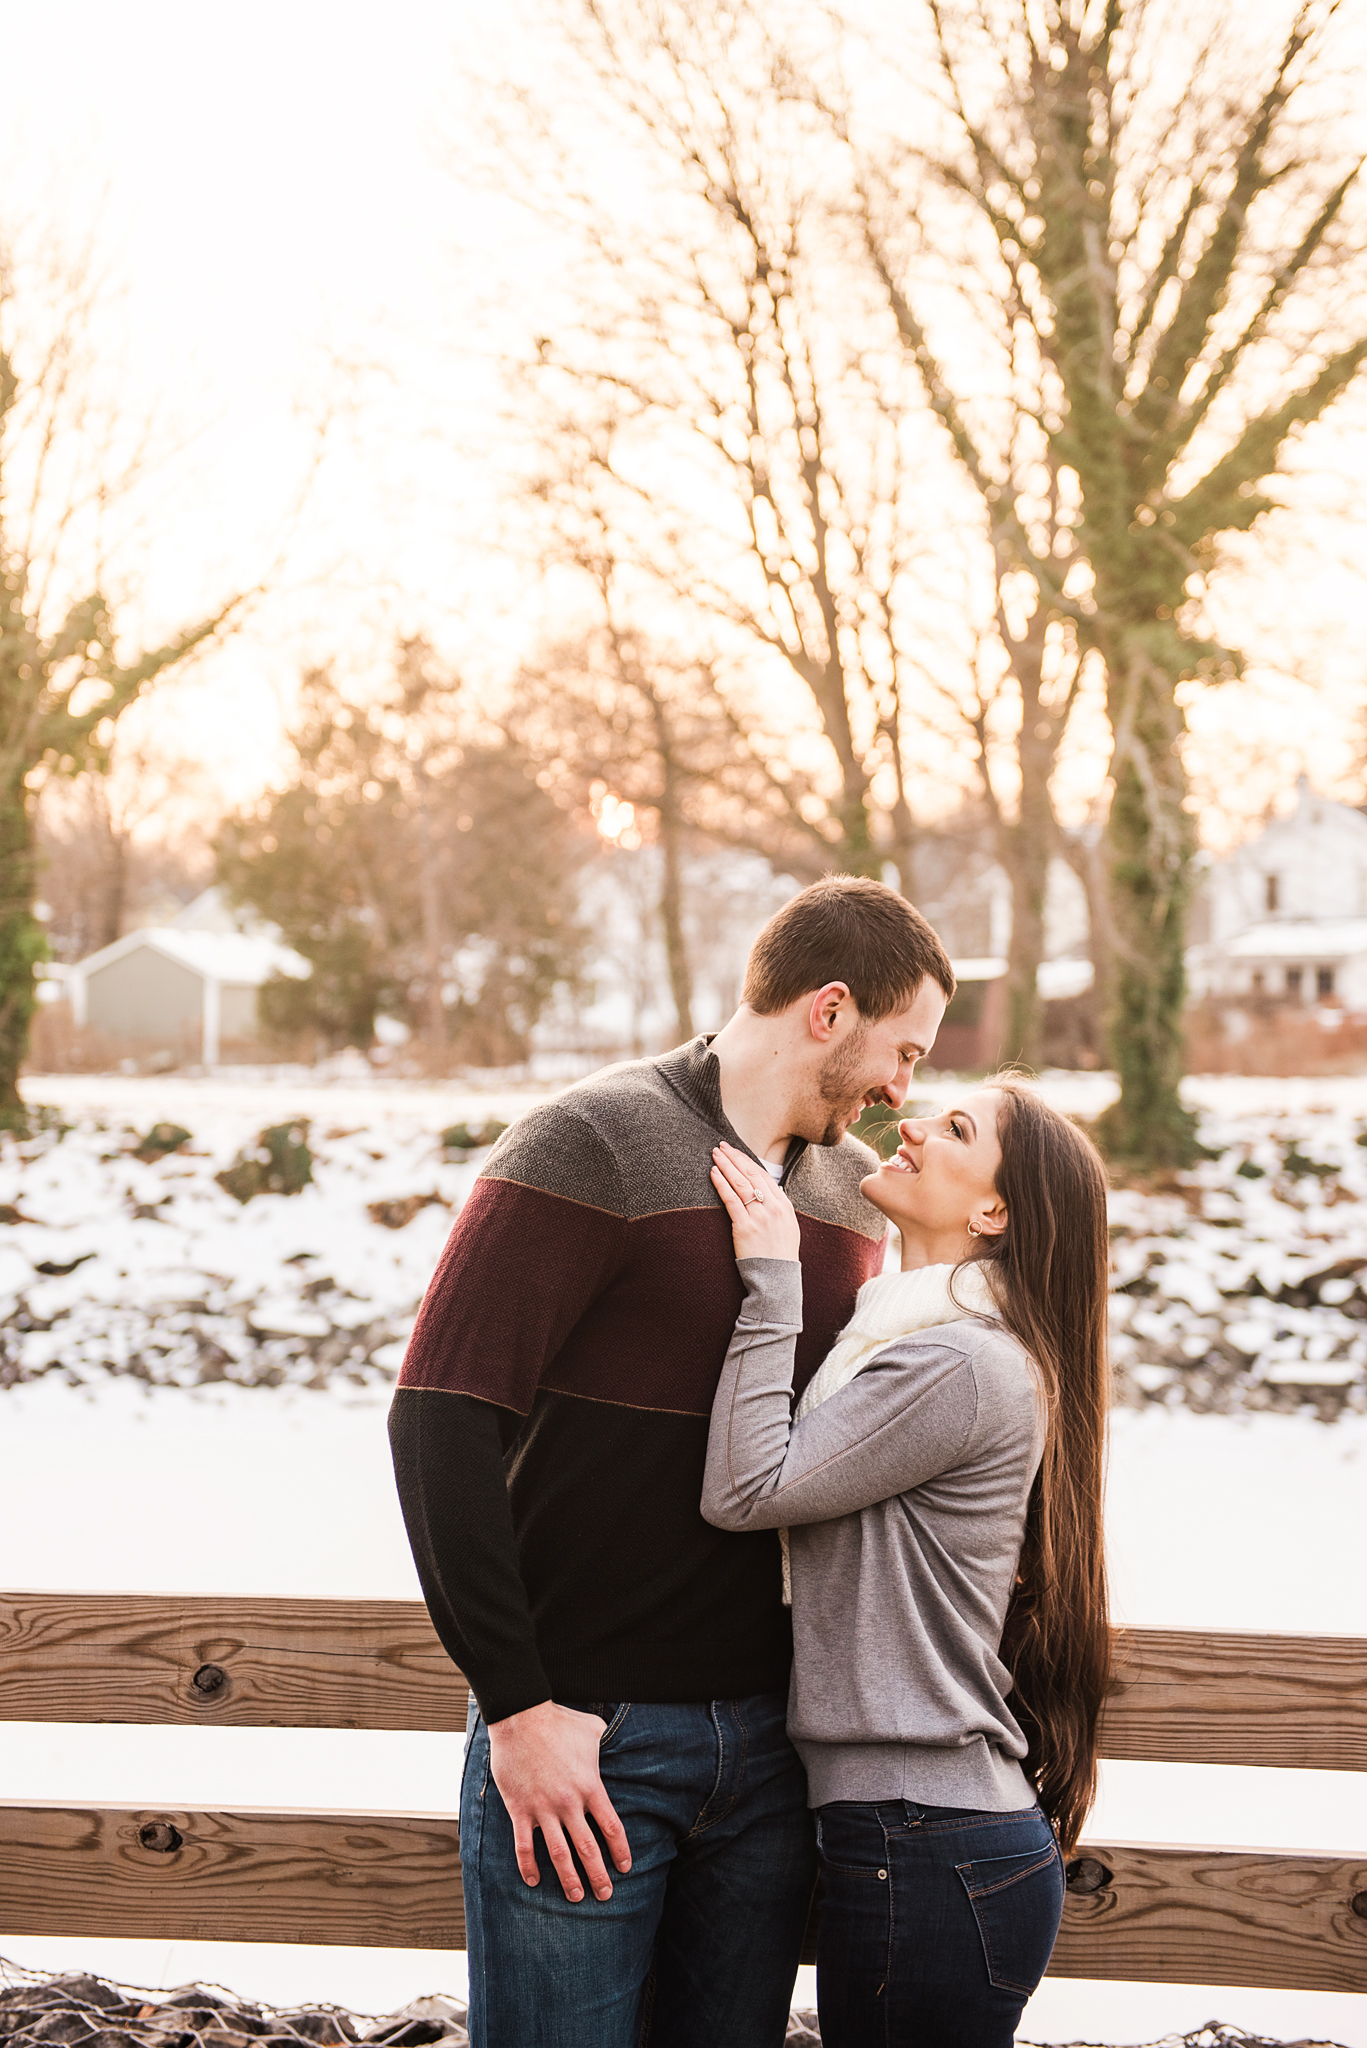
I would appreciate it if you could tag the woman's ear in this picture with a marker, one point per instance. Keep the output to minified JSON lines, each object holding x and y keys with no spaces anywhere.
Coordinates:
{"x":990,"y":1220}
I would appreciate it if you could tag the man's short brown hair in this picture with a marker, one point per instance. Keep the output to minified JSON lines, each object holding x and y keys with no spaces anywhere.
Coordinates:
{"x":848,"y":929}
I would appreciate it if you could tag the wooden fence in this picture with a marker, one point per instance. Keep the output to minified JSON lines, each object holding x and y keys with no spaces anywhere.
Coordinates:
{"x":1135,"y":1911}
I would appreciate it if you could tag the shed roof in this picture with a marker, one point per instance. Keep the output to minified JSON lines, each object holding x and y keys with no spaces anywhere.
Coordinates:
{"x":241,"y":957}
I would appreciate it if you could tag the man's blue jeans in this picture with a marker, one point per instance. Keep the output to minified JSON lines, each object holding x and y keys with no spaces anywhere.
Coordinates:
{"x":699,"y":1943}
{"x":936,"y":1923}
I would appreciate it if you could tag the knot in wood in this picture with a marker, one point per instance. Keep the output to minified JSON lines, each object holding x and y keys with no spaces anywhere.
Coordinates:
{"x":209,"y":1678}
{"x":1087,"y":1875}
{"x":161,"y":1836}
{"x":1358,"y":1902}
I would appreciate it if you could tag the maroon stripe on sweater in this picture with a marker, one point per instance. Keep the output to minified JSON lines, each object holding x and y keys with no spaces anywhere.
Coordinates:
{"x":518,"y":1271}
{"x":637,"y":1314}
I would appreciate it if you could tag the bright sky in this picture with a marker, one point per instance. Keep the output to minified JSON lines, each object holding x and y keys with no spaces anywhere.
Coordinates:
{"x":267,"y":187}
{"x":273,"y":193}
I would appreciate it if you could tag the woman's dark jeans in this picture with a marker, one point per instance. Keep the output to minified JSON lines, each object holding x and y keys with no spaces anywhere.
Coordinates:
{"x":937,"y":1923}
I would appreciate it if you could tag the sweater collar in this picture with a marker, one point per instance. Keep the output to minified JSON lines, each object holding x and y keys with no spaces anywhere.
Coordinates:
{"x":694,"y":1072}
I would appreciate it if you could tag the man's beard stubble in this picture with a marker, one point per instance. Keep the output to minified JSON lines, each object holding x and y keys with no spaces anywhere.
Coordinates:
{"x":840,"y":1092}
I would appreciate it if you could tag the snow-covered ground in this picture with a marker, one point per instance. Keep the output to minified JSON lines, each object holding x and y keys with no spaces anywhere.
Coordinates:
{"x":1240,"y":1286}
{"x":114,"y":1261}
{"x":1245,"y":1520}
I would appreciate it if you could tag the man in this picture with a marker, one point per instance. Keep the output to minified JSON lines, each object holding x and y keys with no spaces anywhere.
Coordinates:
{"x":629,"y":1663}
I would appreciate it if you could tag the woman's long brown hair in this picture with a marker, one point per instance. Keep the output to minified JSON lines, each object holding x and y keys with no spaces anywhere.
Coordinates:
{"x":1049,"y":1271}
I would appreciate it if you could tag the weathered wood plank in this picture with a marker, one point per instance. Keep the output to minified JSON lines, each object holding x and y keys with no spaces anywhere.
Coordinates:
{"x":1186,"y":1696}
{"x":261,"y":1663}
{"x":1213,"y":1916}
{"x":1216,"y":1697}
{"x":1167,"y":1915}
{"x":362,"y":1879}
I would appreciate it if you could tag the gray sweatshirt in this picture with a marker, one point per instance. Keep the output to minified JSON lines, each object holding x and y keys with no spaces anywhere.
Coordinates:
{"x":904,"y":1496}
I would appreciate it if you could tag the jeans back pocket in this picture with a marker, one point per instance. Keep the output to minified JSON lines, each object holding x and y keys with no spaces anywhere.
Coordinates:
{"x":1017,"y":1902}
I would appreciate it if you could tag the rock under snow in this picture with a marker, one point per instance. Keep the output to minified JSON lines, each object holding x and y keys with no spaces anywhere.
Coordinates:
{"x":1240,"y":1285}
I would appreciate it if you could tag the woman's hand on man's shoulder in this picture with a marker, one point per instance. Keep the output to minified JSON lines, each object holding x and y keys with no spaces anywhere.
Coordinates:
{"x":764,"y":1222}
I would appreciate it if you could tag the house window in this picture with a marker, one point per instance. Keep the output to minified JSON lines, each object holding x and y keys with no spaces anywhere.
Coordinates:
{"x":1294,"y":976}
{"x":1258,"y":981}
{"x":1324,"y":982}
{"x":1272,"y":892}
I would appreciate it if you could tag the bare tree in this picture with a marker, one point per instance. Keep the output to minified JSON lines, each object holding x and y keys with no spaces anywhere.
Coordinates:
{"x":113,"y":845}
{"x":726,"y":402}
{"x":607,"y":721}
{"x":615,"y":716}
{"x":1012,"y":675}
{"x":67,"y":465}
{"x":1150,"y":224}
{"x":720,"y":401}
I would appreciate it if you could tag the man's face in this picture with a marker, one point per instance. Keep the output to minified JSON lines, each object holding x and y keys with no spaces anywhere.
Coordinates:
{"x":868,"y":1063}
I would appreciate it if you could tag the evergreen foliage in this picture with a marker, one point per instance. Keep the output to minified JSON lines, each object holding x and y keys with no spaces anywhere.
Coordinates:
{"x":280,"y":1163}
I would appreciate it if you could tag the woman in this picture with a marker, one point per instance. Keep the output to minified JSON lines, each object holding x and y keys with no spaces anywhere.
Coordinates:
{"x":940,"y":1485}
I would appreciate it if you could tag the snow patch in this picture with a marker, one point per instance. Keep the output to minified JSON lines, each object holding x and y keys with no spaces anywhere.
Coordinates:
{"x":1241,"y":1285}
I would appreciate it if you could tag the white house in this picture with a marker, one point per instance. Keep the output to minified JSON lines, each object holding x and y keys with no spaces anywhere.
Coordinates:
{"x":190,"y":986}
{"x":1285,"y":915}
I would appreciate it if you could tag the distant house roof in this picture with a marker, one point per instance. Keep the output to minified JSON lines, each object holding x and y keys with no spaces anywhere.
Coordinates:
{"x":240,"y":957}
{"x":1054,"y":978}
{"x":1302,"y":938}
{"x":211,"y":911}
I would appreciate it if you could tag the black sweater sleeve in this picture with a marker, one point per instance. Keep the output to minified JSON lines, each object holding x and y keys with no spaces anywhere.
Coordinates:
{"x":448,"y":1460}
{"x":480,"y":1347}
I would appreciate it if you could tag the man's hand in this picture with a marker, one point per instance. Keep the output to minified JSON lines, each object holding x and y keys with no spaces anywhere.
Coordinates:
{"x":545,"y":1764}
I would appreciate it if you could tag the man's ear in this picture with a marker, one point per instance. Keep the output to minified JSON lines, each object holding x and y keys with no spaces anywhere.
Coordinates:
{"x":824,"y":1009}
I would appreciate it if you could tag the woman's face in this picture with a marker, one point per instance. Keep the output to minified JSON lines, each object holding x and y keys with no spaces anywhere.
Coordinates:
{"x":943,"y":1177}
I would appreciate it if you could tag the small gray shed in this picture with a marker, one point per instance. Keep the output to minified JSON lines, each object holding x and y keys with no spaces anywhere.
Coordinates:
{"x":191,"y":989}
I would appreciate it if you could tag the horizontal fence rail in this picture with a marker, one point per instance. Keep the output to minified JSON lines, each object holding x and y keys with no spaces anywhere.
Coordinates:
{"x":1166,"y":1915}
{"x":225,"y":1662}
{"x":365,"y":1880}
{"x":1135,"y":1912}
{"x":1182,"y":1696}
{"x":1189,"y":1696}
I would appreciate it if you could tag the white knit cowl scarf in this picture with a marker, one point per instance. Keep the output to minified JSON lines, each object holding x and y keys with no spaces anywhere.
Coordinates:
{"x":889,"y":1306}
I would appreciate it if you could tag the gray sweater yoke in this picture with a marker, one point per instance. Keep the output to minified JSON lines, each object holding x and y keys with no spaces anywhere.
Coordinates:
{"x":904,"y":1496}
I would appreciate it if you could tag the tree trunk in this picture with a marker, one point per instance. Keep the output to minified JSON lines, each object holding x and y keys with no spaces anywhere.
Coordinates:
{"x":671,"y":920}
{"x":22,"y":943}
{"x":113,"y":885}
{"x":434,"y":1006}
{"x":671,"y":891}
{"x":1028,"y":844}
{"x":857,"y":854}
{"x":1150,"y":845}
{"x":1028,"y":869}
{"x":1088,"y":855}
{"x":903,"y":825}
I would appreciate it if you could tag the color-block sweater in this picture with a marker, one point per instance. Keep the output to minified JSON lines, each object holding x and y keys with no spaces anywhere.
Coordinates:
{"x":550,"y":1424}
